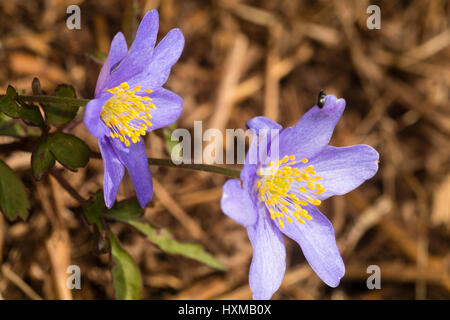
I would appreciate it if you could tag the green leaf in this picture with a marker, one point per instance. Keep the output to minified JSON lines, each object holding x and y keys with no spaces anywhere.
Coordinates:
{"x":33,"y":131}
{"x":58,"y":114}
{"x":126,"y":276}
{"x":69,"y":150}
{"x":11,"y":106}
{"x":100,"y":56}
{"x":31,"y":115}
{"x":10,"y":127}
{"x":42,"y":159}
{"x":8,"y":105}
{"x":122,"y":210}
{"x":12,"y":130}
{"x":164,"y":239}
{"x":94,"y":208}
{"x":13,"y":196}
{"x":126,"y":209}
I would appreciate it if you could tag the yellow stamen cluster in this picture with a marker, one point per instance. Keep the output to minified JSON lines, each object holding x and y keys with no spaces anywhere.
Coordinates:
{"x":127,"y":114}
{"x":286,"y":190}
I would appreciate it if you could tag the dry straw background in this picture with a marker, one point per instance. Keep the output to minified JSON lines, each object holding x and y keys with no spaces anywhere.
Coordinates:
{"x":242,"y":59}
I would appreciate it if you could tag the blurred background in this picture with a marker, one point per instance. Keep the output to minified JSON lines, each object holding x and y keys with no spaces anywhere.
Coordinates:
{"x":243,"y":59}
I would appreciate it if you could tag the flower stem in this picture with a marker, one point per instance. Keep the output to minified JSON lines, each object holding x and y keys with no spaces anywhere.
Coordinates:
{"x":151,"y":161}
{"x":71,"y":190}
{"x":52,"y":99}
{"x":66,"y":185}
{"x":199,"y":167}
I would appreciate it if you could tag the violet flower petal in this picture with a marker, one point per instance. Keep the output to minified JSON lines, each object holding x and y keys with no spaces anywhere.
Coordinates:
{"x":166,"y":53}
{"x":114,"y":171}
{"x":168,"y":108}
{"x":102,"y":77}
{"x":248,"y":172}
{"x":134,"y":158}
{"x":236,"y":203}
{"x":117,"y":52}
{"x":140,"y":52}
{"x":92,"y":119}
{"x":269,"y":258}
{"x":317,"y":240}
{"x":313,"y":131}
{"x":344,"y":169}
{"x":262,"y":123}
{"x":267,"y":132}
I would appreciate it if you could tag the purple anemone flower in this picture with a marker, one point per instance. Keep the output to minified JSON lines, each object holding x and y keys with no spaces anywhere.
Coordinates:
{"x":129,"y":102}
{"x":281,"y":191}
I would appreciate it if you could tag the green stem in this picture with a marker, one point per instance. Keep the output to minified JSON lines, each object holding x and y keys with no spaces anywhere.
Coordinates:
{"x":199,"y":167}
{"x":51,"y":99}
{"x":15,"y":146}
{"x":66,"y":185}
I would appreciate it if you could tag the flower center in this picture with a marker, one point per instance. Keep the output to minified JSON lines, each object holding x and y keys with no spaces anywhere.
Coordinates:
{"x":287,"y":190}
{"x":126,"y":114}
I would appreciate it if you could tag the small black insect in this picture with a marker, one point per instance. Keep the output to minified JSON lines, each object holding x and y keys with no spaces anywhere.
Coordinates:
{"x":321,"y":99}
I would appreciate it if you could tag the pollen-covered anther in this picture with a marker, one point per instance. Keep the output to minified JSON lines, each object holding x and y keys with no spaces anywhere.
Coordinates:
{"x":287,"y":190}
{"x":127,"y":114}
